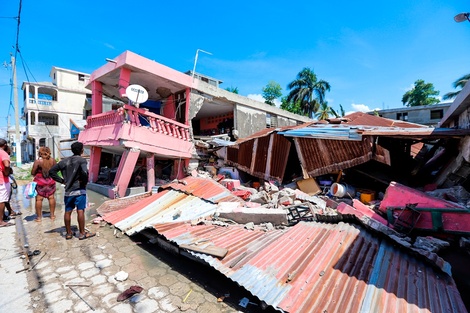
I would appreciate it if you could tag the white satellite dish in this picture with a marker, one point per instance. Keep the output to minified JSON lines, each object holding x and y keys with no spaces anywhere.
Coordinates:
{"x":137,"y":94}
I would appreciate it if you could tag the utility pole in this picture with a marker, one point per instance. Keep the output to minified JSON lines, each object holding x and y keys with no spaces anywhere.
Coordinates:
{"x":17,"y":115}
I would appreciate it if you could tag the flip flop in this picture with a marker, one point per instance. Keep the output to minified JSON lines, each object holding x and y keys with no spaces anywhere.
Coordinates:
{"x":129,"y":292}
{"x":6,"y":224}
{"x":86,"y":236}
{"x":68,"y":236}
{"x":16,"y":214}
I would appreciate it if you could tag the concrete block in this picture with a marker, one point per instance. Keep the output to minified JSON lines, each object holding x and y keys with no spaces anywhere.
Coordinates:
{"x":243,"y":215}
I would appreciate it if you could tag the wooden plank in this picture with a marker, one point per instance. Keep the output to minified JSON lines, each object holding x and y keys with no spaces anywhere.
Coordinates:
{"x":210,"y":250}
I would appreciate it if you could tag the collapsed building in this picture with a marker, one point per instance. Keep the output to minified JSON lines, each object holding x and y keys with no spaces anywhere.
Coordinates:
{"x":306,"y":216}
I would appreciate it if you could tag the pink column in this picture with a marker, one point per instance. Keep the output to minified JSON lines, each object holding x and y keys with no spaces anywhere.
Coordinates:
{"x":150,"y":171}
{"x":124,"y":80}
{"x":178,"y":169}
{"x":188,"y":104}
{"x":96,"y":97}
{"x":95,"y":158}
{"x":125,"y":169}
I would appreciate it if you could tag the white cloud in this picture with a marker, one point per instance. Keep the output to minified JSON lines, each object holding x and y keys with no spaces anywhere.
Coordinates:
{"x":256,"y":97}
{"x":360,"y":107}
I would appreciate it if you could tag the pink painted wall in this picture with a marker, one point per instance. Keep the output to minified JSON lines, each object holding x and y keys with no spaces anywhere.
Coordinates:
{"x":398,"y":195}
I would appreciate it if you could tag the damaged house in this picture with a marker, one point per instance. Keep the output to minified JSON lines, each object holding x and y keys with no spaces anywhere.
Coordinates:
{"x":329,"y":252}
{"x":315,"y":217}
{"x":134,"y":146}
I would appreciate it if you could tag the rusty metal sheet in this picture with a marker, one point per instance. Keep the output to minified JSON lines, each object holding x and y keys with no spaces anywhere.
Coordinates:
{"x":319,"y":157}
{"x":263,"y":157}
{"x":317,"y":267}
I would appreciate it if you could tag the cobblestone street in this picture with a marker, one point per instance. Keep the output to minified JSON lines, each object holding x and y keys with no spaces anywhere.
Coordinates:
{"x":79,"y":275}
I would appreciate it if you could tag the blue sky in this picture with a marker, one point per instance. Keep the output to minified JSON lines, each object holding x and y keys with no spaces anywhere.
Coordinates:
{"x":371,"y":52}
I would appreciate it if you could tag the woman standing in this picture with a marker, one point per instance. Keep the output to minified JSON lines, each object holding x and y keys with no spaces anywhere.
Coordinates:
{"x":45,"y":185}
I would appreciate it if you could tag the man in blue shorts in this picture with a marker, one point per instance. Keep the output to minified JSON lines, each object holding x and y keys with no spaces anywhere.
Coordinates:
{"x":75,"y":177}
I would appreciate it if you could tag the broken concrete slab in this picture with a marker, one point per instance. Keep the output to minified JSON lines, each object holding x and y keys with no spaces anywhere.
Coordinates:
{"x":429,"y":243}
{"x":243,"y":215}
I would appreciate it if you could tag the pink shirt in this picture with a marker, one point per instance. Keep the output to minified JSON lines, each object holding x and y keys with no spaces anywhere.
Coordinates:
{"x":3,"y":156}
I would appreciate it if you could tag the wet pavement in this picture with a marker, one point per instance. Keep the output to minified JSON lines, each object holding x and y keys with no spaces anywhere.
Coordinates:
{"x":80,"y":275}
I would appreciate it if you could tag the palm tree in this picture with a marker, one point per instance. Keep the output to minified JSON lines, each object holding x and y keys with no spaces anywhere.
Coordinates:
{"x":308,"y":90}
{"x":324,"y":112}
{"x":459,"y":83}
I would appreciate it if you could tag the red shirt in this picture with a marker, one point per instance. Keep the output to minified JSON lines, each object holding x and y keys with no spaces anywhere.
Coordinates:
{"x":3,"y":156}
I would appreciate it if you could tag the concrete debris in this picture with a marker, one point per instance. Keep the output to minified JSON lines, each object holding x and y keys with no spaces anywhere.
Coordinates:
{"x":250,"y":226}
{"x":430,"y":244}
{"x":464,"y":243}
{"x":121,"y":276}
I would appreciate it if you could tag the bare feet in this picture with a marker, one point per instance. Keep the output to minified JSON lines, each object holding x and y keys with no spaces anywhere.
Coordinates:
{"x":38,"y":219}
{"x":52,"y":217}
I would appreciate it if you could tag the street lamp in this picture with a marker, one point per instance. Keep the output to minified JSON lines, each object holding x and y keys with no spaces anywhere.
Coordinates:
{"x":195,"y":61}
{"x":462,"y":17}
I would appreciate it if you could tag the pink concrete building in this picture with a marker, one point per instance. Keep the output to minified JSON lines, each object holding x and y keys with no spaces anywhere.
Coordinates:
{"x":142,"y":142}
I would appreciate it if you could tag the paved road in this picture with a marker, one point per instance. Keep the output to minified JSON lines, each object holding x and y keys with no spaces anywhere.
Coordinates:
{"x":170,"y":283}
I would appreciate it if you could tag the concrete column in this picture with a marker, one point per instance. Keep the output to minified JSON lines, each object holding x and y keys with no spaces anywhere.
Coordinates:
{"x":95,"y":159}
{"x":126,"y":167}
{"x":124,"y":80}
{"x":150,"y":171}
{"x":96,"y":97}
{"x":178,"y":169}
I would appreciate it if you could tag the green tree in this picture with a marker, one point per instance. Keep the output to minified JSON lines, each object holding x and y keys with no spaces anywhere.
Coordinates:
{"x":341,"y":110}
{"x":421,"y":94}
{"x":232,"y":89}
{"x":271,"y":92}
{"x":324,"y":112}
{"x":308,"y":90}
{"x":291,"y":106}
{"x":459,"y":83}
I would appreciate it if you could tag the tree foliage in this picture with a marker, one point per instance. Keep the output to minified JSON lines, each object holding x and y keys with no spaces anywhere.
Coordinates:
{"x":341,"y":110}
{"x":421,"y":94}
{"x":232,"y":89}
{"x":325,"y":111}
{"x":459,"y":83}
{"x":307,"y":91}
{"x":291,"y":106}
{"x":271,"y":92}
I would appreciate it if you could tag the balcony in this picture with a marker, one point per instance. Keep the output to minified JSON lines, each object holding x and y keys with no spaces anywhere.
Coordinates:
{"x":130,"y":127}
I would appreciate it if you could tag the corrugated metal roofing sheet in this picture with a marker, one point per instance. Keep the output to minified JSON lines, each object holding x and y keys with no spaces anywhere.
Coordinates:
{"x":188,"y":199}
{"x":319,"y":157}
{"x":316,"y":267}
{"x":204,"y":188}
{"x":163,"y":207}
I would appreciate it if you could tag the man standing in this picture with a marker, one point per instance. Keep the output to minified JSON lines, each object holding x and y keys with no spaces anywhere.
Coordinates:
{"x":75,"y":177}
{"x":5,"y":171}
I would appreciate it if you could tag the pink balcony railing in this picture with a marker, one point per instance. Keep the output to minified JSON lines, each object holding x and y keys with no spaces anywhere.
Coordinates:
{"x":140,"y":117}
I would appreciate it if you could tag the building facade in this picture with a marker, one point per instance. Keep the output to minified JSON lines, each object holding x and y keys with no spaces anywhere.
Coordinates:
{"x":50,"y":109}
{"x":428,"y":115}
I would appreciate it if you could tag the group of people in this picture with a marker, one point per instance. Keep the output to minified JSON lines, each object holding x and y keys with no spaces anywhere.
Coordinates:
{"x":73,"y":176}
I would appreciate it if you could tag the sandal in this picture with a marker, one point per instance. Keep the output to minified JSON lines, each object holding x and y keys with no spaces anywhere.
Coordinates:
{"x":15,"y":214}
{"x":68,"y":236}
{"x":129,"y":292}
{"x":86,"y":236}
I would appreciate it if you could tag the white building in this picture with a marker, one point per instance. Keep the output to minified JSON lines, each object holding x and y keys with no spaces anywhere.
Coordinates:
{"x":50,"y":108}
